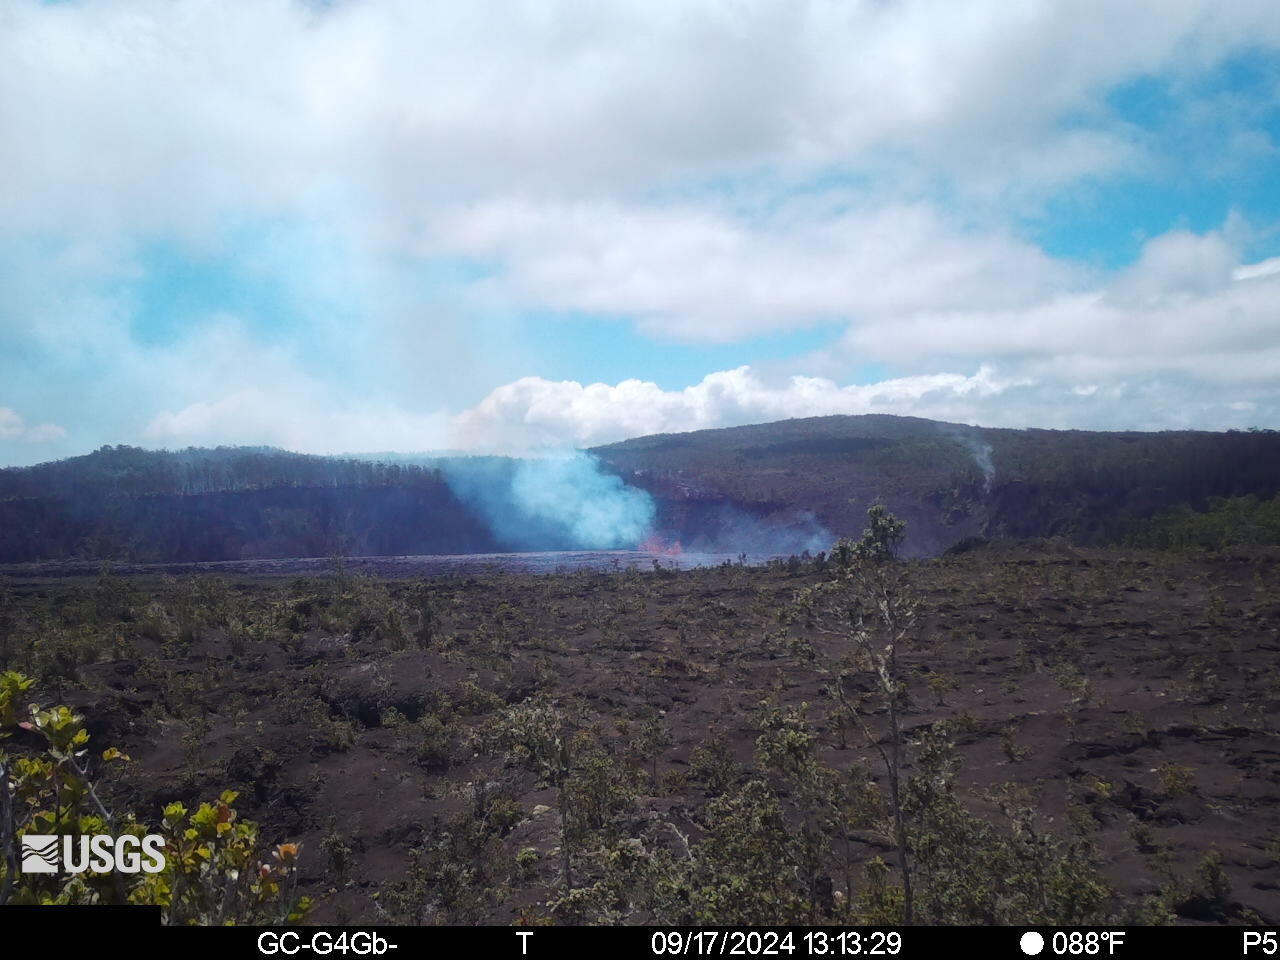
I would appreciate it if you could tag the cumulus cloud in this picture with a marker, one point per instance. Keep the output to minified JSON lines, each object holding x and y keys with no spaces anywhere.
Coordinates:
{"x":193,"y":108}
{"x":534,"y":413}
{"x":1186,"y":306}
{"x":1177,"y":265}
{"x":302,"y":422}
{"x":1186,"y":336}
{"x":14,"y":427}
{"x":702,"y":174}
{"x":694,"y":273}
{"x":916,"y":293}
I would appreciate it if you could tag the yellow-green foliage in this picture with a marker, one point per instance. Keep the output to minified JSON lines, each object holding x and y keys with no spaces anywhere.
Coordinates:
{"x":216,"y":869}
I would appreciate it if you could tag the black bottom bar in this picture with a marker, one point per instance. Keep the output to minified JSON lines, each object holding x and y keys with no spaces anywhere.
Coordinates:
{"x":138,"y":928}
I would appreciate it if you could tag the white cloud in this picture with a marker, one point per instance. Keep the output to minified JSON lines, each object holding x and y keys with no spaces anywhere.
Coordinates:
{"x":916,"y":292}
{"x":696,"y":273}
{"x":167,"y":115}
{"x":1266,"y":268}
{"x":713,"y":171}
{"x":1176,"y":265}
{"x":1187,"y":336}
{"x":298,"y":422}
{"x":231,"y":389}
{"x":535,"y":413}
{"x":14,"y":427}
{"x":1185,"y":306}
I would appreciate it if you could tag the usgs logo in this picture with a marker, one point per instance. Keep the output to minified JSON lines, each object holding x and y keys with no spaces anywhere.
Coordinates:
{"x":47,"y":853}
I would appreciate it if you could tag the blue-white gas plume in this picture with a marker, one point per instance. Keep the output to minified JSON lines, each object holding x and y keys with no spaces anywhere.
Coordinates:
{"x":554,"y":503}
{"x":730,"y":529}
{"x":979,"y":449}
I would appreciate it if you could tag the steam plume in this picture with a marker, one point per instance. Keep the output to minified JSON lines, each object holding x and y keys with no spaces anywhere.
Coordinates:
{"x":980,"y":450}
{"x":563,"y":502}
{"x":732,"y":530}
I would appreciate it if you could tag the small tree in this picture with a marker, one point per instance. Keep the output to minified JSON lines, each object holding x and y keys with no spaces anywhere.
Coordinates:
{"x":787,"y":751}
{"x":650,"y":742}
{"x":869,"y":605}
{"x":539,"y":737}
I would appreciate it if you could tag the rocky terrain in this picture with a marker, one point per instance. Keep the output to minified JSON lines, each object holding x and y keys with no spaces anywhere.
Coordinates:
{"x":1114,"y":710}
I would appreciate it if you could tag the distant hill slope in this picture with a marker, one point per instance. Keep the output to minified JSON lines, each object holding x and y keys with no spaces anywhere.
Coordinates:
{"x":126,"y":471}
{"x":949,"y":481}
{"x":228,"y":503}
{"x":776,"y":487}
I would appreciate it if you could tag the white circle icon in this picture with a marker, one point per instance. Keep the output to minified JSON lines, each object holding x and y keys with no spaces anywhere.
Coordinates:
{"x":1031,"y":943}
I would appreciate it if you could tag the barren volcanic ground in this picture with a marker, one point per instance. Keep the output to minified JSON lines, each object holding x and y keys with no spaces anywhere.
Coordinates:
{"x":379,"y":721}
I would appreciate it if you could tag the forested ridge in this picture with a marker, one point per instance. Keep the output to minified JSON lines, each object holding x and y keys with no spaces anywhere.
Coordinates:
{"x":228,"y":503}
{"x":130,"y":471}
{"x":952,"y":481}
{"x":725,"y":489}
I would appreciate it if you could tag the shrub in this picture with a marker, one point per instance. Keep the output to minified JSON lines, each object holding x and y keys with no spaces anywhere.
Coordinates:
{"x":713,"y":766}
{"x":1176,"y":779}
{"x":216,"y":871}
{"x":434,"y":743}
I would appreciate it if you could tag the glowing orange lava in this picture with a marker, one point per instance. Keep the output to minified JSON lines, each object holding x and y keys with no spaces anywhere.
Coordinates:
{"x":655,"y":544}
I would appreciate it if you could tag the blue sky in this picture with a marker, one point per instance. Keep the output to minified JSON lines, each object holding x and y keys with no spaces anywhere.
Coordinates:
{"x":386,"y":224}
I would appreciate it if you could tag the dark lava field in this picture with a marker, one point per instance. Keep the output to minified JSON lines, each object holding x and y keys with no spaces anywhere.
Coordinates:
{"x":1089,"y":734}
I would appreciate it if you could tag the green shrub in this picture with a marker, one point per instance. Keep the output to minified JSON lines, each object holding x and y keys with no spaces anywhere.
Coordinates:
{"x":217,"y":871}
{"x":1175,"y":779}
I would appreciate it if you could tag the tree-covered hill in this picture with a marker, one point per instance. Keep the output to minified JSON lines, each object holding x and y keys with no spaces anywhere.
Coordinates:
{"x":228,"y":503}
{"x":128,"y":471}
{"x":777,"y":487}
{"x":950,"y":481}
